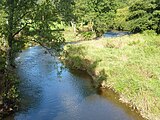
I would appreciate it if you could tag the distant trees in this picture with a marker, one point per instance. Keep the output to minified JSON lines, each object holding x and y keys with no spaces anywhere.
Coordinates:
{"x":137,"y":16}
{"x":145,"y":15}
{"x":36,"y":19}
{"x":120,"y":22}
{"x":104,"y":15}
{"x":100,"y":12}
{"x":65,"y":9}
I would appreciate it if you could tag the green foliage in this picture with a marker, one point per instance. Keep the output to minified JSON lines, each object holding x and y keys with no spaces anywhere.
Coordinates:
{"x":21,"y":22}
{"x":2,"y":55}
{"x":75,"y":54}
{"x":65,"y":9}
{"x":150,"y":33}
{"x":100,"y":12}
{"x":144,"y":15}
{"x":120,"y":22}
{"x":134,"y":16}
{"x":89,"y":35}
{"x":2,"y":60}
{"x":30,"y":21}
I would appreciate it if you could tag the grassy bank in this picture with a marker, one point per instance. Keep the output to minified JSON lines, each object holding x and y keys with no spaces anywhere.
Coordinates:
{"x":71,"y":36}
{"x":129,"y":65}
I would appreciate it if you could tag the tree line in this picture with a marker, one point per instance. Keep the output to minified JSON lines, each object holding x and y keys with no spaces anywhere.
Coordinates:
{"x":135,"y":16}
{"x":36,"y":19}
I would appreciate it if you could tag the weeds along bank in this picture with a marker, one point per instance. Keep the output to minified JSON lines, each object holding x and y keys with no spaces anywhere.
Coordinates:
{"x":8,"y":85}
{"x":129,"y":65}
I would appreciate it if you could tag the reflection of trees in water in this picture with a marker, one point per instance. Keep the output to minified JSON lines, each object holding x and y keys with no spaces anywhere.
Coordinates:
{"x":27,"y":68}
{"x":113,"y":98}
{"x":34,"y":69}
{"x":82,"y":82}
{"x":30,"y":95}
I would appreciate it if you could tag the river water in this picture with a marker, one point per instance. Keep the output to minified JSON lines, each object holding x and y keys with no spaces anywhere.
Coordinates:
{"x":113,"y":34}
{"x":71,"y":96}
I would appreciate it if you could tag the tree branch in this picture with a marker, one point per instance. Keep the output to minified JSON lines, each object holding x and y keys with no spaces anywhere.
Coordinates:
{"x":41,"y":44}
{"x":57,"y":30}
{"x":20,"y":29}
{"x":20,"y":18}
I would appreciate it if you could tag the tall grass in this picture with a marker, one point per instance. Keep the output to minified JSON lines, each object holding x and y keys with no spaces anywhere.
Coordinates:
{"x":129,"y":65}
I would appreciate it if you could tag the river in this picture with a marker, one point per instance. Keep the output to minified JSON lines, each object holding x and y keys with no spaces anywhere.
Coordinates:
{"x":45,"y":95}
{"x":113,"y":34}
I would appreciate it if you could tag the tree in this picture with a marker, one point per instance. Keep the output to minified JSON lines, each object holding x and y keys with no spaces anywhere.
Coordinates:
{"x":100,"y":12}
{"x":144,"y":15}
{"x":65,"y":9}
{"x":23,"y":21}
{"x":120,"y":22}
{"x":29,"y":19}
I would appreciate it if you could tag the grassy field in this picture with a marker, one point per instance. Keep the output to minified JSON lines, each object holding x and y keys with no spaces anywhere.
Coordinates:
{"x":129,"y":65}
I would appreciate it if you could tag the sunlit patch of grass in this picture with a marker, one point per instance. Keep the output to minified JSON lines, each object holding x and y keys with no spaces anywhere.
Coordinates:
{"x":73,"y":36}
{"x":131,"y":65}
{"x":70,"y":35}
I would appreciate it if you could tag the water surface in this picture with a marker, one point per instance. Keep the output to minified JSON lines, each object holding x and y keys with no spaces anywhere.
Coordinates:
{"x":116,"y":34}
{"x":71,"y":96}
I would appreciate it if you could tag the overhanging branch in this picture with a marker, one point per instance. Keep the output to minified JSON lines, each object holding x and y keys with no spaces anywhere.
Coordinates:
{"x":41,"y":44}
{"x":20,"y":29}
{"x":21,"y":17}
{"x":56,"y":30}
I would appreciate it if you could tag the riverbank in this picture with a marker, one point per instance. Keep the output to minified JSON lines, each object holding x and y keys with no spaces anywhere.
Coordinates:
{"x":128,"y":65}
{"x":8,"y":87}
{"x":9,"y":95}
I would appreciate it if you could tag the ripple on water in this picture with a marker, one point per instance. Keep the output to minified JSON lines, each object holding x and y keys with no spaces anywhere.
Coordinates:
{"x":46,"y":96}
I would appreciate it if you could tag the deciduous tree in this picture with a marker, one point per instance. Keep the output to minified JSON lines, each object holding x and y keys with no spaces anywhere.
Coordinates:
{"x":29,"y":20}
{"x":100,"y":12}
{"x":145,"y":15}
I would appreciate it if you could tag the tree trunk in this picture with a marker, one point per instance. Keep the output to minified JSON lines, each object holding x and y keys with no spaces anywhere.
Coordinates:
{"x":9,"y":56}
{"x":10,"y":33}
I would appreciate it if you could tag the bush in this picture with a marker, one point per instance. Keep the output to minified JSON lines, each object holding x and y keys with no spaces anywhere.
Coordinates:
{"x":88,"y":35}
{"x":144,"y":15}
{"x":149,"y":32}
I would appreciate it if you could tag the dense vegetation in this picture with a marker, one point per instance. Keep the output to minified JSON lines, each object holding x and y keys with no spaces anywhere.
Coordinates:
{"x":103,"y":15}
{"x":145,"y":15}
{"x":99,"y":14}
{"x":26,"y":22}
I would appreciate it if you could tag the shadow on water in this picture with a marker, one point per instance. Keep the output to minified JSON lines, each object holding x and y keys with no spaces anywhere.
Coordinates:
{"x":46,"y":96}
{"x":114,"y":99}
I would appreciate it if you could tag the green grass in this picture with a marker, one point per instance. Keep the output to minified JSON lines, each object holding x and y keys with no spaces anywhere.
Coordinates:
{"x":71,"y":36}
{"x":129,"y":65}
